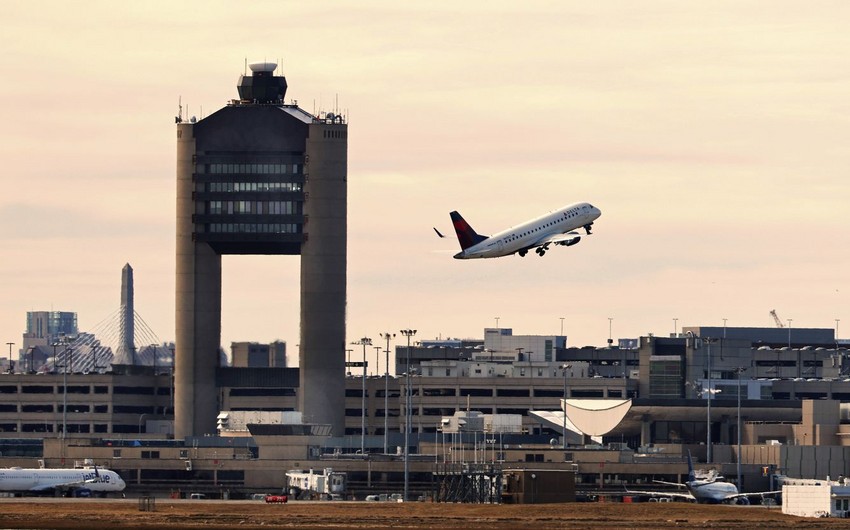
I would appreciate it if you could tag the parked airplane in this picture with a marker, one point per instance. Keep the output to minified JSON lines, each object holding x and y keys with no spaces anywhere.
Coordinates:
{"x":706,"y":489}
{"x":93,"y":480}
{"x":554,"y":228}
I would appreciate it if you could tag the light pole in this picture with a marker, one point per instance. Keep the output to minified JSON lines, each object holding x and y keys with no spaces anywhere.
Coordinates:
{"x":155,"y":378}
{"x":377,"y":359}
{"x":564,"y":443}
{"x":64,"y":394}
{"x":409,"y":333}
{"x":171,"y":381}
{"x":142,"y":415}
{"x":740,"y":370}
{"x":386,"y":336}
{"x":708,"y":342}
{"x":837,"y":320}
{"x":365,"y":341}
{"x":348,"y":361}
{"x":10,"y":356}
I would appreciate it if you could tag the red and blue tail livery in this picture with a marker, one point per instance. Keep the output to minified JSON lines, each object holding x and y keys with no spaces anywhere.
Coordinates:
{"x":465,"y":234}
{"x":557,"y":227}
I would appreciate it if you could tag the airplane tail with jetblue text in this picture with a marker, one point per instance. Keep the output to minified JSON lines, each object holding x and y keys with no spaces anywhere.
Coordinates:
{"x":466,"y":236}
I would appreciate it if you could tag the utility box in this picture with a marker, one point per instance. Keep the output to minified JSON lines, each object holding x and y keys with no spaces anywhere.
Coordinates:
{"x":538,"y":486}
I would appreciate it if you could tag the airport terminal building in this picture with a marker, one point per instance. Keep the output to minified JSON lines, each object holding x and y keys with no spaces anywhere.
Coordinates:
{"x":125,"y":420}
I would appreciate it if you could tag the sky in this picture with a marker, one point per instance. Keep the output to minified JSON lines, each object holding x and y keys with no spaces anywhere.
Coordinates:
{"x":712,"y":135}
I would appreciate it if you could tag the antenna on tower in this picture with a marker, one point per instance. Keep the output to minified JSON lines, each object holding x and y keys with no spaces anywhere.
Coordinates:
{"x":245,"y":71}
{"x":179,"y":117}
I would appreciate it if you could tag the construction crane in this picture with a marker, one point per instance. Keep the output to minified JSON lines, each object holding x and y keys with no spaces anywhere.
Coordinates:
{"x":776,"y":319}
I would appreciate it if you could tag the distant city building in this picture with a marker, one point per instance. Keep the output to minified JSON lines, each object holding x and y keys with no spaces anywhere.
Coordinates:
{"x":775,"y":336}
{"x":527,"y":347}
{"x":257,"y":355}
{"x":48,"y":326}
{"x":44,"y":329}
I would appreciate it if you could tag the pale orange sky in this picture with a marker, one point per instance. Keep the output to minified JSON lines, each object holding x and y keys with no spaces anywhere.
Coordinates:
{"x":713,"y":136}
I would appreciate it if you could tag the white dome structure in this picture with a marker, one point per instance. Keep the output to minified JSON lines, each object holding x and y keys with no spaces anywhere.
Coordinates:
{"x":596,"y":417}
{"x":585,"y":417}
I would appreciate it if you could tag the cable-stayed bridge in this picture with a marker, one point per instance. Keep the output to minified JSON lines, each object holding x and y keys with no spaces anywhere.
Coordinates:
{"x":121,"y":339}
{"x":98,"y":349}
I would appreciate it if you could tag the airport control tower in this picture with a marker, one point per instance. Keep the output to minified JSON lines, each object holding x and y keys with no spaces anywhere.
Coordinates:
{"x":261,"y":177}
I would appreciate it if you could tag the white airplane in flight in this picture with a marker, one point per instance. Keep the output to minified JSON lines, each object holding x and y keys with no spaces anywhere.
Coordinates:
{"x":100,"y":481}
{"x":707,"y":489}
{"x":555,"y":228}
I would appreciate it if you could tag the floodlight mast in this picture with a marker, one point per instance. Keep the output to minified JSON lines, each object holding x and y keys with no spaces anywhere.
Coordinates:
{"x":407,"y":333}
{"x":564,"y":443}
{"x":387,"y":336}
{"x":365,"y":341}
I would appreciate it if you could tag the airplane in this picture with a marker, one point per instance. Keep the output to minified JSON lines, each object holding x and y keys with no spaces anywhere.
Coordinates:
{"x":554,"y":228}
{"x":706,"y":489}
{"x":73,"y":481}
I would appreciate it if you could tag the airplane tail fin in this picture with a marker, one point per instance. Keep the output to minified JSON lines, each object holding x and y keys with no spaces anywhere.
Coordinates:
{"x":466,"y":236}
{"x":691,"y":475}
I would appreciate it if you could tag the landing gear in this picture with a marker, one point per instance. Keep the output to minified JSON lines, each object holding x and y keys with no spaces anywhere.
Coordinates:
{"x":540,"y":251}
{"x":522,"y":253}
{"x":587,"y":228}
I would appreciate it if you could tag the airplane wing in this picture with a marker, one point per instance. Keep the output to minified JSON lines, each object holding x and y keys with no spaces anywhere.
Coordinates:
{"x":761,"y":494}
{"x":61,"y":485}
{"x":570,"y":238}
{"x":677,"y":484}
{"x":662,"y":494}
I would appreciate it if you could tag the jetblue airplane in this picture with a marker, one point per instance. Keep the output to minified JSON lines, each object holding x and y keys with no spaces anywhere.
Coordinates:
{"x":94,"y":480}
{"x":708,"y":489}
{"x":555,"y":228}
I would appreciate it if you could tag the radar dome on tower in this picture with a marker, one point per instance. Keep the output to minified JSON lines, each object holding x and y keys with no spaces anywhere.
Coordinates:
{"x":263,"y":67}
